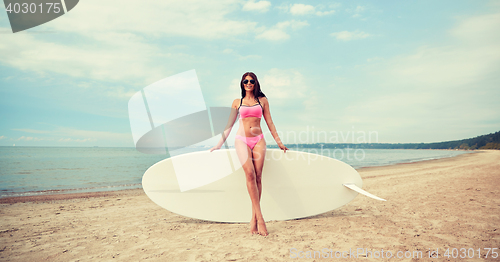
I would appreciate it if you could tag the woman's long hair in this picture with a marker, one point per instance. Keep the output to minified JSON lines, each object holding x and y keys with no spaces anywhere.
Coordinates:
{"x":256,"y":90}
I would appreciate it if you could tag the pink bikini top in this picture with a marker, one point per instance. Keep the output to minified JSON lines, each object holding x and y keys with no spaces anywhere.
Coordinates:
{"x":250,"y":111}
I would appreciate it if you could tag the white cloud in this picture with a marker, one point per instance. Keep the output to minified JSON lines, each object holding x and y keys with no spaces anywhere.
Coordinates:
{"x":301,"y":9}
{"x":193,"y":18}
{"x":261,"y":6}
{"x":478,"y":29}
{"x":29,"y":138}
{"x":356,"y":11}
{"x":373,"y":59}
{"x":284,"y":84}
{"x":435,"y":87}
{"x":335,"y":5}
{"x":249,"y":57}
{"x":292,"y":98}
{"x":359,"y":9}
{"x":116,"y":57}
{"x":444,"y":65}
{"x":232,"y":91}
{"x":273,"y":34}
{"x":2,"y":137}
{"x":295,"y":25}
{"x":28,"y":130}
{"x":278,"y":32}
{"x":112,"y":46}
{"x":240,"y":57}
{"x":110,"y":38}
{"x":347,"y":36}
{"x":323,"y":13}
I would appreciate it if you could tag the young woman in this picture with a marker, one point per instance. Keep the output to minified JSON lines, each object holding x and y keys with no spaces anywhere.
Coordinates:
{"x":250,"y":144}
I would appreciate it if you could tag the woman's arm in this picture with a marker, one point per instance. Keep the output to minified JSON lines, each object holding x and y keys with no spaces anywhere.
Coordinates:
{"x":229,"y":126}
{"x":270,"y":124}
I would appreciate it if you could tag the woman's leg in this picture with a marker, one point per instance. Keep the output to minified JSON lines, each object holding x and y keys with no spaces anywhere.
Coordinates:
{"x":245,"y":157}
{"x":259,"y":155}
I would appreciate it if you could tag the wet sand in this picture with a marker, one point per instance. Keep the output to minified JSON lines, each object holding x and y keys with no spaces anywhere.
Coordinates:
{"x":437,"y":204}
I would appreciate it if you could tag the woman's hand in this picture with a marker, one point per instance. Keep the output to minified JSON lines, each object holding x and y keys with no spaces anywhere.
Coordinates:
{"x":283,"y":147}
{"x":214,"y":148}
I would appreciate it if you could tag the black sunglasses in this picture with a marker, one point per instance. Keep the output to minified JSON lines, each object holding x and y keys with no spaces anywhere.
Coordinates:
{"x":251,"y":81}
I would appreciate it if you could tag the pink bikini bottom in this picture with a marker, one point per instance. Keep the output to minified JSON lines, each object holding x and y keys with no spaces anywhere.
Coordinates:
{"x":250,"y":141}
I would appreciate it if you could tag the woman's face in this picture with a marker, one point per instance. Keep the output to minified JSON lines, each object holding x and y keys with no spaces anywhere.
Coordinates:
{"x":248,"y":86}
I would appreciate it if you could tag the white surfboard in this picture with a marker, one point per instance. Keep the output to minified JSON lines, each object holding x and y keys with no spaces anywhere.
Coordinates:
{"x":295,"y":185}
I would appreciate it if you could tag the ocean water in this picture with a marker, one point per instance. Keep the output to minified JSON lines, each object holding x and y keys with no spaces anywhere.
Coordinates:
{"x":52,"y":170}
{"x":358,"y":158}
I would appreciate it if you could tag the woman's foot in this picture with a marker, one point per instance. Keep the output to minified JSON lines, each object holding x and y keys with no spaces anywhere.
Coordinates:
{"x":253,"y":226}
{"x":262,"y":229}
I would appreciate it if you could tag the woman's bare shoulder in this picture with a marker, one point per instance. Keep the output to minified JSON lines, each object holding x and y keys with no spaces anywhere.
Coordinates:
{"x":236,"y":103}
{"x":264,"y":99}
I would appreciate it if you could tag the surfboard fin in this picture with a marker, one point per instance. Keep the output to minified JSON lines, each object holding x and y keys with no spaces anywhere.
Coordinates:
{"x":361,"y":191}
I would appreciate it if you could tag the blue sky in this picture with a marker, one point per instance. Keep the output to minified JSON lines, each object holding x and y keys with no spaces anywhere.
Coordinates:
{"x":411,"y":71}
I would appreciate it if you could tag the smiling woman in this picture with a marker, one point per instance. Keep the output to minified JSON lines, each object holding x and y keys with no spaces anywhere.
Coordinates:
{"x":250,"y":144}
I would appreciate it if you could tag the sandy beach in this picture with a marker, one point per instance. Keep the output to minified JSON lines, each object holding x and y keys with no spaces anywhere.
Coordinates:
{"x":434,"y":205}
